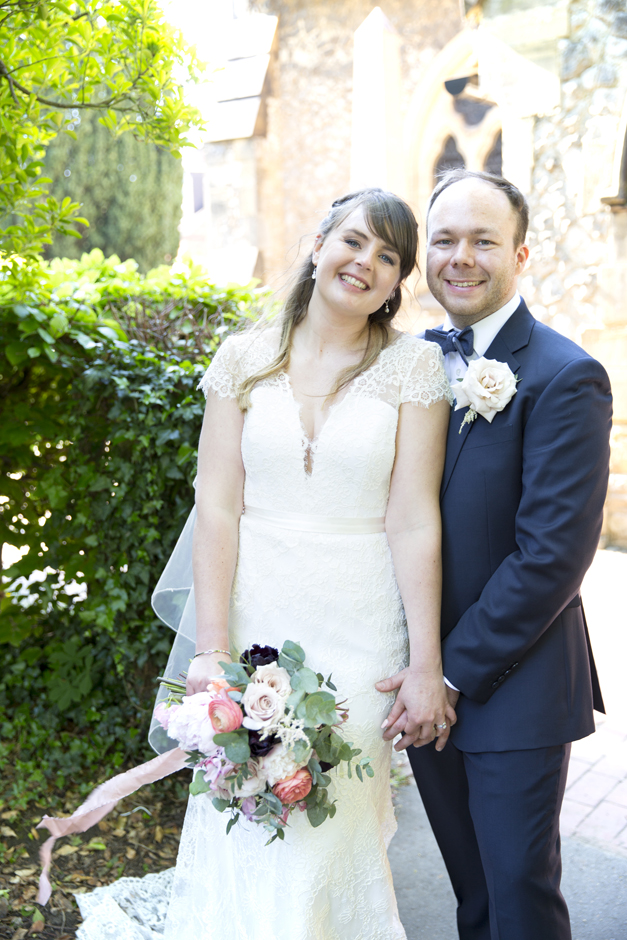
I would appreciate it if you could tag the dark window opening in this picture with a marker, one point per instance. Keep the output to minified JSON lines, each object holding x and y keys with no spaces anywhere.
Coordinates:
{"x":449,"y":159}
{"x":472,"y":110}
{"x":494,"y":160}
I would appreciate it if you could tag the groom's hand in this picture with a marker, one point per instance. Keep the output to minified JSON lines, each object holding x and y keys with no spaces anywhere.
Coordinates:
{"x":421,"y":704}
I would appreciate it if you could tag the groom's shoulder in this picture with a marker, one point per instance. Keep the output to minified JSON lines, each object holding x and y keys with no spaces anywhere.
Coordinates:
{"x":552,"y":351}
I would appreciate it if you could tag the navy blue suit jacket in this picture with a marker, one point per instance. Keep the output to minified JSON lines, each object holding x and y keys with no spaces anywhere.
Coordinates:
{"x":522,"y":504}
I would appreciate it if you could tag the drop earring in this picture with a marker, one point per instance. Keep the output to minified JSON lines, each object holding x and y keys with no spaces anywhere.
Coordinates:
{"x":313,"y":276}
{"x":387,"y":307}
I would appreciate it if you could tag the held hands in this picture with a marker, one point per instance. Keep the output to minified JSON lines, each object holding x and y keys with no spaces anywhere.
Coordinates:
{"x":422,"y":703}
{"x":203,"y":669}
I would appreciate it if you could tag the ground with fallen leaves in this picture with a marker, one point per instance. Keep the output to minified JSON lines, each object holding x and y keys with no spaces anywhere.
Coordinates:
{"x":140,"y":835}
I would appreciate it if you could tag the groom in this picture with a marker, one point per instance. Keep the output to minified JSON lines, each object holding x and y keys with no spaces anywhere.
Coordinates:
{"x":522,"y":502}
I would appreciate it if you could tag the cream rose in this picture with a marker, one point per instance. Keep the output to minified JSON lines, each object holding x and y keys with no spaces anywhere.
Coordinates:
{"x":276,"y":677}
{"x":487,"y":387}
{"x":263,"y":705}
{"x":279,"y":764}
{"x":254,"y":784}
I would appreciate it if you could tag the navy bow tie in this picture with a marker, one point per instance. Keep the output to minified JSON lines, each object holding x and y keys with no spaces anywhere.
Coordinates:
{"x":459,"y":341}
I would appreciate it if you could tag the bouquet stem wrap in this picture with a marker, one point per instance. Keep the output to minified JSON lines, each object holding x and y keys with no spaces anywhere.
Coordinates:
{"x":100,"y":802}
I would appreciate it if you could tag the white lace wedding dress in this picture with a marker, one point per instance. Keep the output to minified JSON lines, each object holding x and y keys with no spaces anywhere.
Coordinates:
{"x":314,"y":566}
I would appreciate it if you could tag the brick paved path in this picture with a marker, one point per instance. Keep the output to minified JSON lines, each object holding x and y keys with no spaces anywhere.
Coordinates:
{"x":595,"y":805}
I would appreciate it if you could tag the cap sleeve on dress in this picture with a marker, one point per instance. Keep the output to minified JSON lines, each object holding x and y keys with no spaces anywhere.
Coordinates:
{"x":224,"y":374}
{"x":426,"y":381}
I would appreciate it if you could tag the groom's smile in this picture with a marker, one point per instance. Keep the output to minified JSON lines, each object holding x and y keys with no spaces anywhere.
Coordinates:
{"x":473,"y":261}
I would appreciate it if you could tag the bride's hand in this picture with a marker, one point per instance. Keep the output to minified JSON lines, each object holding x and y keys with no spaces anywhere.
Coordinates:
{"x":203,"y":669}
{"x":421,"y":706}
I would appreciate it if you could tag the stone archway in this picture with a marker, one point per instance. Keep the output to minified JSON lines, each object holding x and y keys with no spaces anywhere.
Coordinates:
{"x":448,"y":124}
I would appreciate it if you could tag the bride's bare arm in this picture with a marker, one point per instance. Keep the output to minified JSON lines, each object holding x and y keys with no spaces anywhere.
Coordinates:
{"x":219,"y":501}
{"x":414,"y":532}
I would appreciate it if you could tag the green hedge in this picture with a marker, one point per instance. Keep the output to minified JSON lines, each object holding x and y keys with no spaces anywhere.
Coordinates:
{"x":99,"y":423}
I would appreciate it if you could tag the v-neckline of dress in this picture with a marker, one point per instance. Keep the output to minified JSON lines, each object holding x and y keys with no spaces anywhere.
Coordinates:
{"x":310,"y":445}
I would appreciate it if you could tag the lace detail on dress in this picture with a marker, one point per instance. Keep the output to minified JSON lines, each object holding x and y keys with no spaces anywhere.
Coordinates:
{"x":408,"y":370}
{"x":239,"y":356}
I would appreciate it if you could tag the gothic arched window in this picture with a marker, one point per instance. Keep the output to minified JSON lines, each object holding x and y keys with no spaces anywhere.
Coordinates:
{"x":449,"y":159}
{"x":493,"y":163}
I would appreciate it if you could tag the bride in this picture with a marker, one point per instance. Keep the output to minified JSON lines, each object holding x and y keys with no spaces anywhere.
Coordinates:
{"x":319,"y":470}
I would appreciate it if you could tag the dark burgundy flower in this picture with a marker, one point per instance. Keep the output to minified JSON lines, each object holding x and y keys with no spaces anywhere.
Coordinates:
{"x":258,"y":747}
{"x":325,"y":766}
{"x":259,"y":656}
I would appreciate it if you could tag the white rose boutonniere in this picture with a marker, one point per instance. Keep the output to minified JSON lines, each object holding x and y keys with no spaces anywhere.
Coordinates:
{"x":487,"y":387}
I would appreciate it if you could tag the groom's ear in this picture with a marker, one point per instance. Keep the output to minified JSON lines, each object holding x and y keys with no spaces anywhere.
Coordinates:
{"x":522,"y":256}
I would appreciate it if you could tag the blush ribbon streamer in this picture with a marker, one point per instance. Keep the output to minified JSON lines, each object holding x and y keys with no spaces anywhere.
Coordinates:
{"x":100,"y":802}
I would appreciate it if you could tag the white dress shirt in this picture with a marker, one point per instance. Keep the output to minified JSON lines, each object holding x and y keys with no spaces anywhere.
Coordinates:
{"x":484,"y":332}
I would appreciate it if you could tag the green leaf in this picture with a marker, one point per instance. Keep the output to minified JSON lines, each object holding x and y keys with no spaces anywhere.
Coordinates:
{"x":317,"y":709}
{"x":273,"y":802}
{"x":199,"y":785}
{"x":220,"y":804}
{"x":232,"y":822}
{"x":305,"y":679}
{"x":301,"y":750}
{"x":291,"y":657}
{"x":235,"y":744}
{"x":317,"y":814}
{"x":294,"y":700}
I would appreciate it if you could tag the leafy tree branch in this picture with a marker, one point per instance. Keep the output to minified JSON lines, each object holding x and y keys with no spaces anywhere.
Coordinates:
{"x":117,"y":58}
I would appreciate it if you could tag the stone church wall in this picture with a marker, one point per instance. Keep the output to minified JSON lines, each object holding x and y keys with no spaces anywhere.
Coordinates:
{"x":304,"y":160}
{"x":577,"y":276}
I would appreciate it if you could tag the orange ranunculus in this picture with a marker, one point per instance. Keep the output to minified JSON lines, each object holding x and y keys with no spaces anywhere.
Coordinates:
{"x":293,"y":788}
{"x":225,"y":714}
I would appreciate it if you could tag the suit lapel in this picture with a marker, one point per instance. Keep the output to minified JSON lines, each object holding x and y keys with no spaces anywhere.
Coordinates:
{"x":513,"y":336}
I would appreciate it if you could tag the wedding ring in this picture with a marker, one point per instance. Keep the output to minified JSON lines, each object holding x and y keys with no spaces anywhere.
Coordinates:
{"x":441,"y":727}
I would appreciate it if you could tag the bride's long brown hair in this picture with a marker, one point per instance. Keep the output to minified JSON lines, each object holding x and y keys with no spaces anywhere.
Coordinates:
{"x":391,"y":219}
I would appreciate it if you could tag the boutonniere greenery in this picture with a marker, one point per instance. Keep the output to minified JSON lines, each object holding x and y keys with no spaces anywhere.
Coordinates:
{"x":486,"y":389}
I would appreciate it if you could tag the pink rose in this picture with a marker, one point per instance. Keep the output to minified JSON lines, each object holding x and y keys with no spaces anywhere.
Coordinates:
{"x":293,"y":788}
{"x":225,"y":714}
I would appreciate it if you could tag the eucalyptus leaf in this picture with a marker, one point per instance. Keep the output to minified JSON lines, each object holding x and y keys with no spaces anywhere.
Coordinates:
{"x":301,"y":750}
{"x":294,"y":700}
{"x":238,"y":751}
{"x":220,"y":804}
{"x":199,"y":785}
{"x":317,"y":814}
{"x":273,"y":802}
{"x":305,"y":680}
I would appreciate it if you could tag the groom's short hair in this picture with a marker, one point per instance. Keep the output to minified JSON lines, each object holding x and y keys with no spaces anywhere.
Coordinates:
{"x":517,"y":200}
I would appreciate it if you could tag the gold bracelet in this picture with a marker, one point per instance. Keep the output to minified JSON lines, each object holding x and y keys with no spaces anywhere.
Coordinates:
{"x":209,"y":652}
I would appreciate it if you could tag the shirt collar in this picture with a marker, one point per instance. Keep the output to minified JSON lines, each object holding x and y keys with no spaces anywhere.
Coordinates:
{"x":485,"y":330}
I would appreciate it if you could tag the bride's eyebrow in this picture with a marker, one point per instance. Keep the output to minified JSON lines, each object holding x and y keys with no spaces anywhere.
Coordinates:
{"x":354,"y":231}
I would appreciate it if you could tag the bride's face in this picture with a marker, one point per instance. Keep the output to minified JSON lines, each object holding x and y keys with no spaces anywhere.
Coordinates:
{"x":355,"y":270}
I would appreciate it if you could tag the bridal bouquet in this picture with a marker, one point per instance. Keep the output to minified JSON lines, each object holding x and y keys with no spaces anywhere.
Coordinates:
{"x":262,"y":738}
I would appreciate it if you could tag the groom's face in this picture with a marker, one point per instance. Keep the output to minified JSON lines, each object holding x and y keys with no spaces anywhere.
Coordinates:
{"x":473,"y":261}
